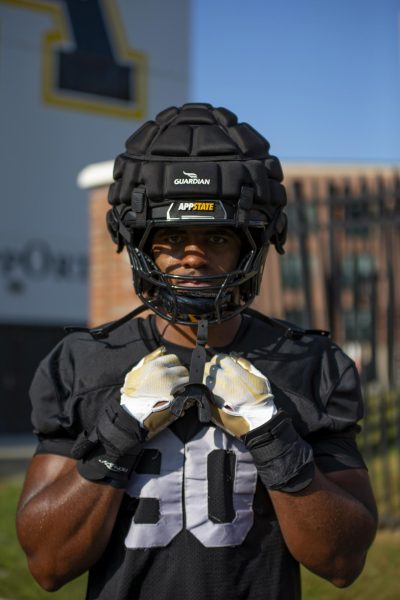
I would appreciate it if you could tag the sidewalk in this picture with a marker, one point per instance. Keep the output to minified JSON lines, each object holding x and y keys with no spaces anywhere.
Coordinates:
{"x":15,"y":452}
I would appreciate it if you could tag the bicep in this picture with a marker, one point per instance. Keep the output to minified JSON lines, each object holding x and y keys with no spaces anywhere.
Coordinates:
{"x":43,"y":471}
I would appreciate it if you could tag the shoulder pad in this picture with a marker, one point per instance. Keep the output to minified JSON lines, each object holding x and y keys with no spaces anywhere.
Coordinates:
{"x":102,"y":331}
{"x":322,"y":332}
{"x":292,"y":332}
{"x":296,"y":333}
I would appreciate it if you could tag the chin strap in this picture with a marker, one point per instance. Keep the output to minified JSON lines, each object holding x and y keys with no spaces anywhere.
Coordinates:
{"x":195,"y":391}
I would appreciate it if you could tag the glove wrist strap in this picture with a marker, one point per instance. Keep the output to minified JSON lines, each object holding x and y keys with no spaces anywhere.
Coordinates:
{"x":283,"y":459}
{"x":110,"y":451}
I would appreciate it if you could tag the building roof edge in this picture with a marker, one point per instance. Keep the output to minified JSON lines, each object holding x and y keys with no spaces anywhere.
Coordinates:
{"x":101,"y":174}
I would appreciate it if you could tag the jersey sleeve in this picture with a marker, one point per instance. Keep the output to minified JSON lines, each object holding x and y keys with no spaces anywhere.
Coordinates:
{"x":335,"y":444}
{"x":50,"y":394}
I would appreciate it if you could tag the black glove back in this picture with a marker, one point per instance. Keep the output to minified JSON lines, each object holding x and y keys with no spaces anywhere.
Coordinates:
{"x":110,"y":451}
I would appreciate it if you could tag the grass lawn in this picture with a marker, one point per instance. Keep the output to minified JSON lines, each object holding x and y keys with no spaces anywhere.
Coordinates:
{"x":379,"y":580}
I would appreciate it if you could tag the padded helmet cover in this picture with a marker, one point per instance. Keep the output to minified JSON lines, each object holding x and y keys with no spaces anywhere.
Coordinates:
{"x":195,"y":164}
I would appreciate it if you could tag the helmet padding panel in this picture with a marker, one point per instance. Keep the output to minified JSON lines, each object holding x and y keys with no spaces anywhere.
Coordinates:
{"x":189,"y":158}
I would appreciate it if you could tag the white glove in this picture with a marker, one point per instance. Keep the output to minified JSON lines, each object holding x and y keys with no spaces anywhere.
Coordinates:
{"x":242,"y":394}
{"x":146,"y":393}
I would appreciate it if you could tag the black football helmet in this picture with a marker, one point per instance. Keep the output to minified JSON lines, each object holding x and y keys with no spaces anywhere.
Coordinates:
{"x":197,"y":165}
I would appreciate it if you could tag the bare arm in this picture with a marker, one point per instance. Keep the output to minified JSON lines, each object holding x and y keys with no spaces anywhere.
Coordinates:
{"x":63,"y":521}
{"x":65,"y":518}
{"x":329,"y":526}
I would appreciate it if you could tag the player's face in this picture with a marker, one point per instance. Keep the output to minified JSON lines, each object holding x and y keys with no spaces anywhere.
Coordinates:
{"x":196,"y":251}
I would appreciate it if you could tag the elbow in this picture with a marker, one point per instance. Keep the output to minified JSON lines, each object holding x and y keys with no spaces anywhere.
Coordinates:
{"x":343,"y":571}
{"x":344,"y":580}
{"x":342,"y":563}
{"x":43,"y":569}
{"x":348,"y":566}
{"x":46,"y":583}
{"x":341,"y":568}
{"x":45,"y":574}
{"x":40,"y":565}
{"x":46,"y":566}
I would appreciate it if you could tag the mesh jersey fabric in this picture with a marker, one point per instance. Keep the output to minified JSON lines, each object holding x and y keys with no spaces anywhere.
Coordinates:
{"x":223,"y":539}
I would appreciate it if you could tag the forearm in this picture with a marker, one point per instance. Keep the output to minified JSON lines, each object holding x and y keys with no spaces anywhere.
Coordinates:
{"x":326,"y":528}
{"x":65,"y":527}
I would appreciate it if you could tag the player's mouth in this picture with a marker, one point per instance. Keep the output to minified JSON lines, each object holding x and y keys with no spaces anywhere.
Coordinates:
{"x":193,"y":283}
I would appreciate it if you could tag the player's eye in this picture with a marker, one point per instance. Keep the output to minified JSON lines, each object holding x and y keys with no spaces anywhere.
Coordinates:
{"x":218,"y":239}
{"x":168,"y":238}
{"x":174,"y":238}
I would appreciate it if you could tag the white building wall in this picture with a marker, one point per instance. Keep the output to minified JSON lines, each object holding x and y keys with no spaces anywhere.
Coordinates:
{"x":49,"y":134}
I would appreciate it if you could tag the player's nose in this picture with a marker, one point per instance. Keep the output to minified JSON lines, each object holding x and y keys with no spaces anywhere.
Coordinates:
{"x":195,"y":254}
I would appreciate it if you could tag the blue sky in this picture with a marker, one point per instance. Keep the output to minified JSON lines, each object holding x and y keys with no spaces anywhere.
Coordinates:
{"x":319,"y":78}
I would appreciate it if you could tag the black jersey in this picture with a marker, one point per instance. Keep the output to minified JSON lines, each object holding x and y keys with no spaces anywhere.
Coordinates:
{"x":195,"y":521}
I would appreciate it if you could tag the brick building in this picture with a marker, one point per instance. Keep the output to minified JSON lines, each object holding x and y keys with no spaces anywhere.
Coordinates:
{"x":339,"y":272}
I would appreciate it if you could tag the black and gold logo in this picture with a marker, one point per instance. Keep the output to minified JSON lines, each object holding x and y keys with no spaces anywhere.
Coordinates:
{"x":197,"y":206}
{"x":196,"y":209}
{"x":87,"y":63}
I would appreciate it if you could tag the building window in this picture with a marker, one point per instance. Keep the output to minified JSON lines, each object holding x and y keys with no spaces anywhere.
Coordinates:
{"x":358,"y":325}
{"x":296,"y":317}
{"x":306,"y":215}
{"x":291,"y":271}
{"x":357,"y":216}
{"x":357,"y":267}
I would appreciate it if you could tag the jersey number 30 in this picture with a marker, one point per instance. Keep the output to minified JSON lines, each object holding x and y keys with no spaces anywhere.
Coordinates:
{"x":182,"y":489}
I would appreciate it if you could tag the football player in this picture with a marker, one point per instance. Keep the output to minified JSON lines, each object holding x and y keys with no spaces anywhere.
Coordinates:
{"x":203,"y":450}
